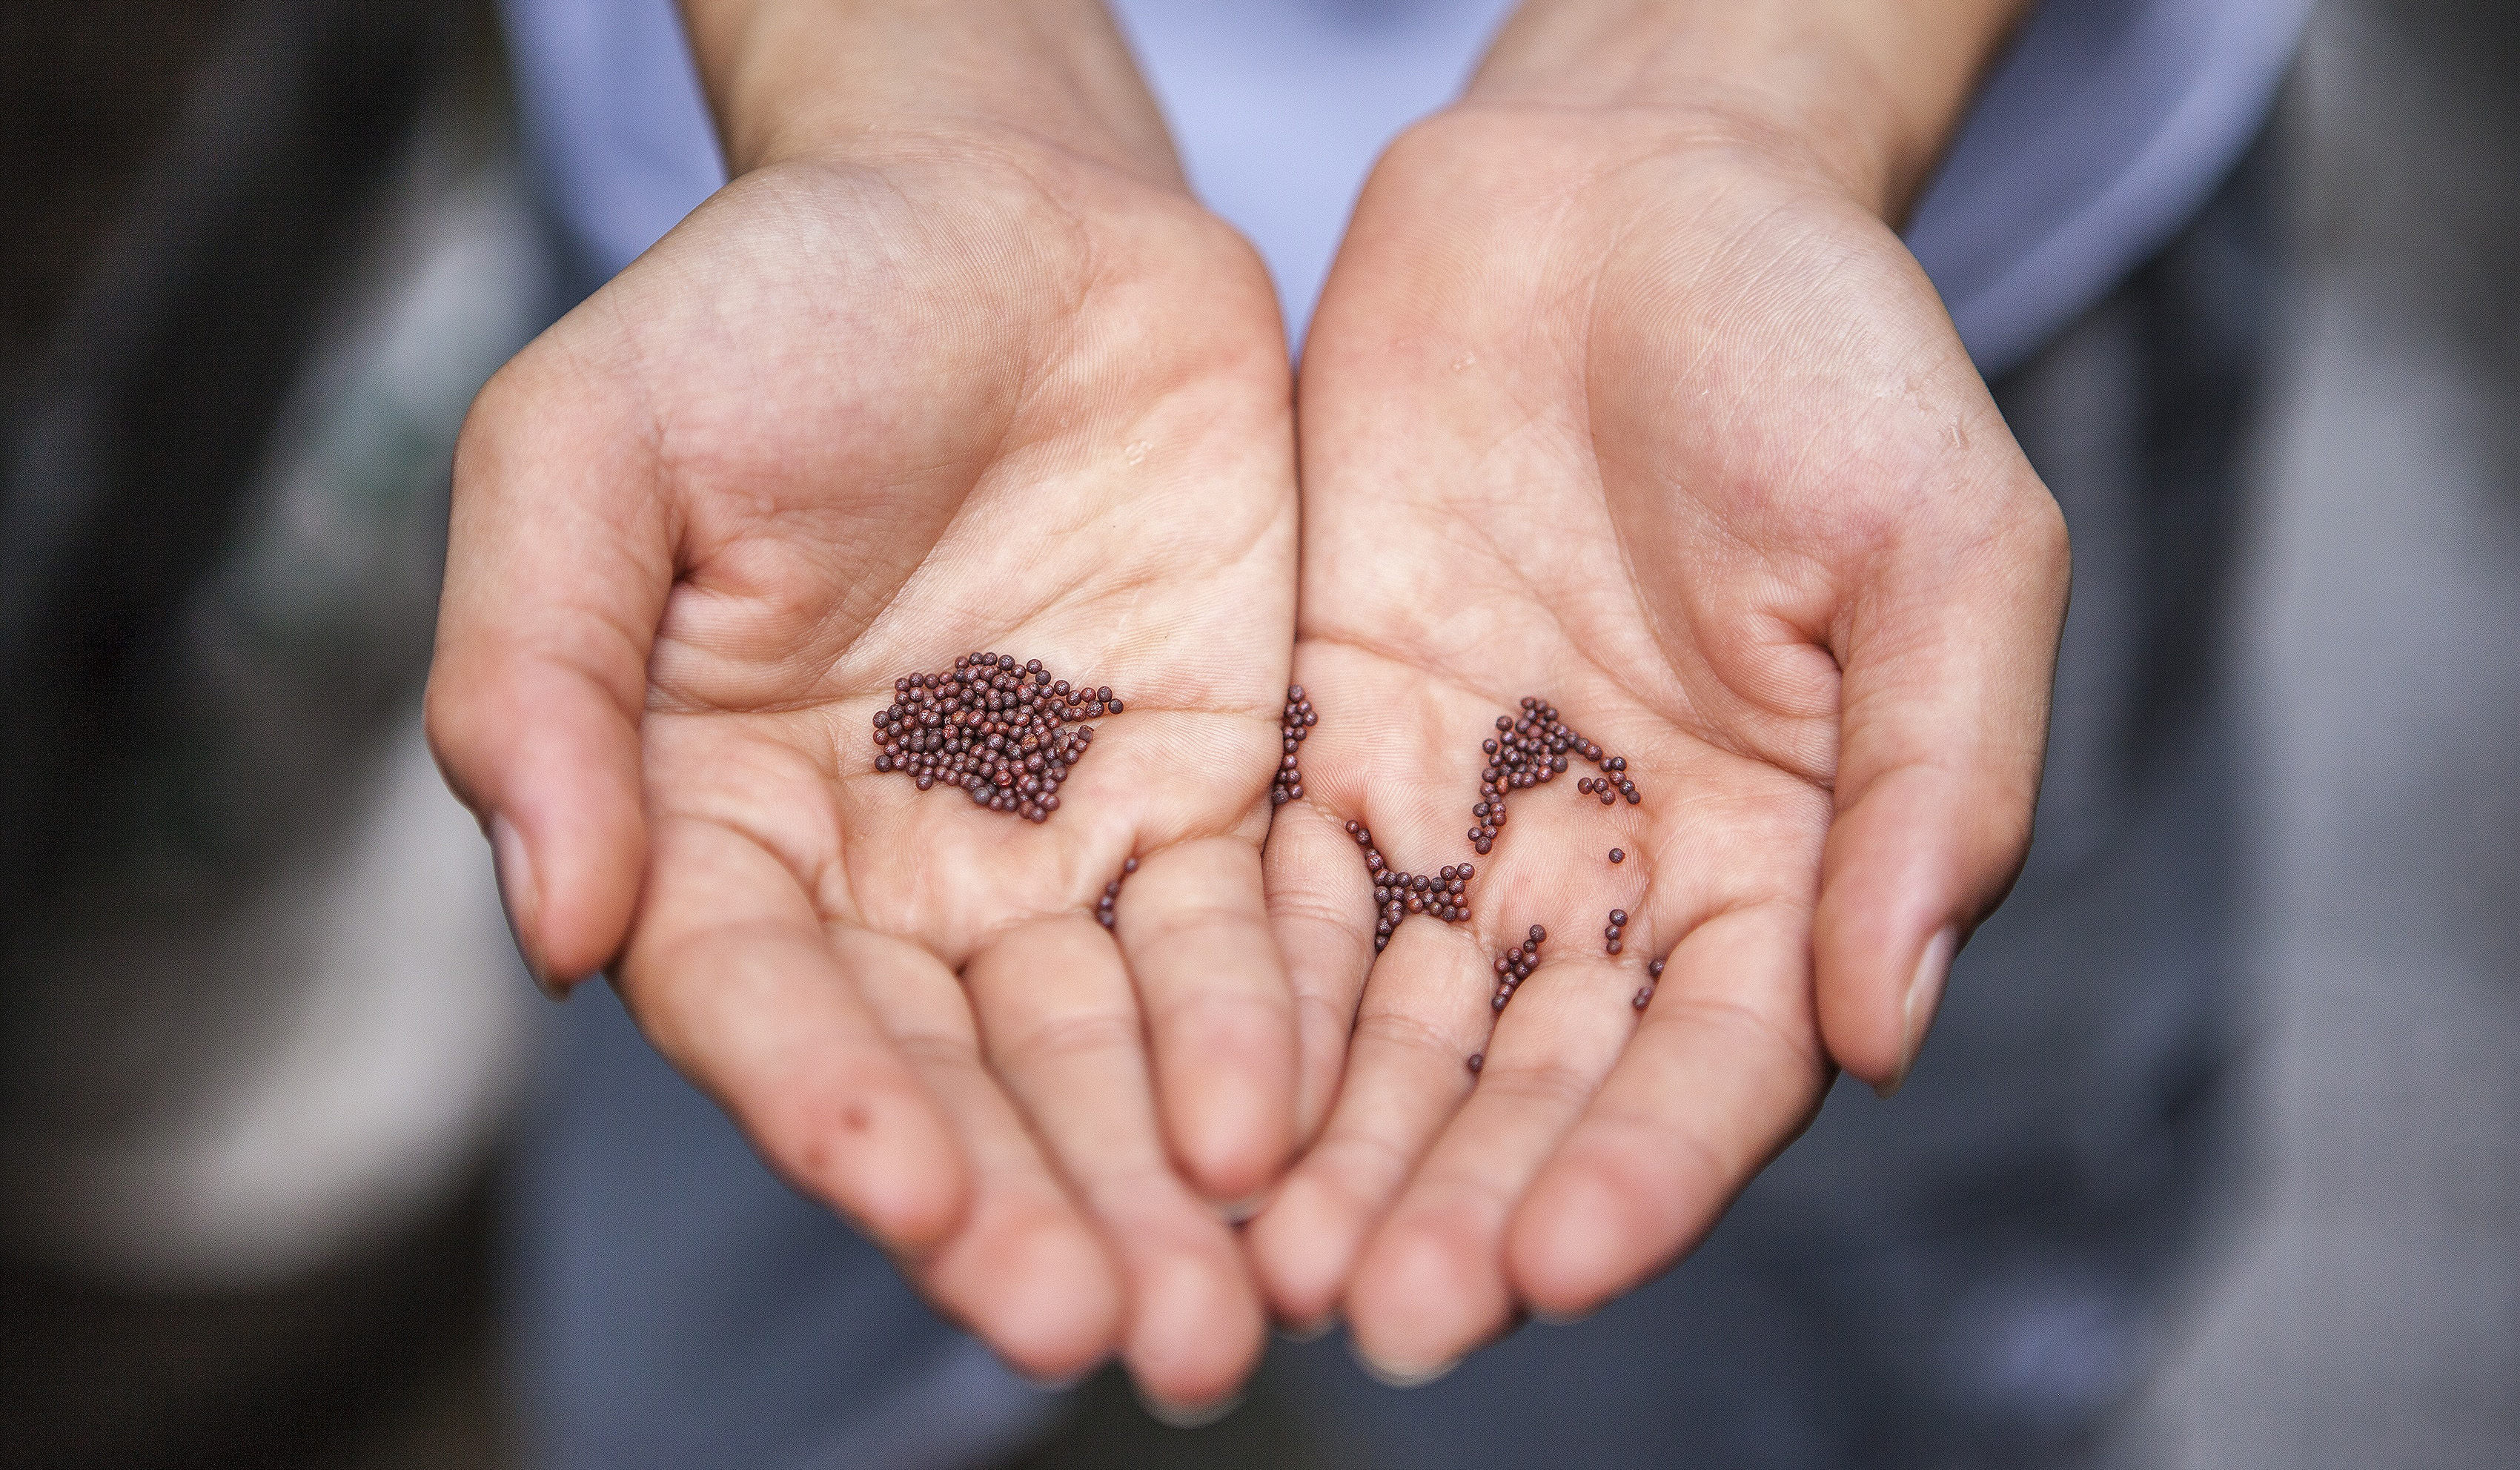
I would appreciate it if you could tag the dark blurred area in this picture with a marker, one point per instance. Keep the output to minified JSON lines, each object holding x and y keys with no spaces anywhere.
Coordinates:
{"x":261,"y":1029}
{"x":256,"y":256}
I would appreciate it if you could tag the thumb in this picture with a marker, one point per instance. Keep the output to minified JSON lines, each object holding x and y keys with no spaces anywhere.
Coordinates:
{"x":1949,"y":658}
{"x":559,"y":562}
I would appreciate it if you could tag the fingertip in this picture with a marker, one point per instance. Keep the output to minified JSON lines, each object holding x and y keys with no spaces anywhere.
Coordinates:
{"x":1569,"y":1247}
{"x":1232,"y":1129}
{"x":1905,"y":870}
{"x":916,"y":1186}
{"x":875,"y":1148}
{"x":553,"y":769}
{"x":1421,"y":1301}
{"x":1299,"y":1252}
{"x":1198,"y":1332}
{"x":1055,"y":1309}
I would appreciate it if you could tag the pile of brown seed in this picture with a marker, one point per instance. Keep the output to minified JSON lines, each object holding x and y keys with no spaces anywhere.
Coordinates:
{"x":1294,"y":726}
{"x":1610,"y":935}
{"x":1106,"y":909}
{"x":1514,"y":966}
{"x":1004,"y":732}
{"x":1531,"y":750}
{"x":1444,"y":894}
{"x":1653,"y":977}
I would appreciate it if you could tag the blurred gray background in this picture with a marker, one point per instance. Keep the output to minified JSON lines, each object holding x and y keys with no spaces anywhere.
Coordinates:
{"x":262,"y":1032}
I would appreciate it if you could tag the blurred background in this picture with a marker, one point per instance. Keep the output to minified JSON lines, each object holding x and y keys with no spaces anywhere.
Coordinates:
{"x":262,"y":1036}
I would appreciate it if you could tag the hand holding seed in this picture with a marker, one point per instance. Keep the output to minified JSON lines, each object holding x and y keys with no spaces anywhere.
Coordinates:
{"x":1676,"y":432}
{"x":708,"y":529}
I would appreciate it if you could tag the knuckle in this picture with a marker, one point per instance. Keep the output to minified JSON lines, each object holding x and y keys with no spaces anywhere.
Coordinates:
{"x":1080,"y":1037}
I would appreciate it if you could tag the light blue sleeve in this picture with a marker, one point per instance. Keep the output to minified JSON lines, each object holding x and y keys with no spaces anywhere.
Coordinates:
{"x":2108,"y":124}
{"x":2104,"y":130}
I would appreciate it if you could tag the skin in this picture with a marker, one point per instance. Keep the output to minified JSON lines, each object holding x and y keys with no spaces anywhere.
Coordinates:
{"x":1624,"y":392}
{"x":956,"y":365}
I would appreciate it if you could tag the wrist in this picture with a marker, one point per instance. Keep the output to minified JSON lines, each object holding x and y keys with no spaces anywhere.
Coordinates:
{"x":791,"y":80}
{"x":1866,"y":93}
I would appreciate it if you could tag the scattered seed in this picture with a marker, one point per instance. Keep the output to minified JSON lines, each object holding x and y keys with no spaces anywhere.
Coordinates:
{"x":1514,"y":966}
{"x":1531,"y":748}
{"x":1106,"y":909}
{"x":1397,"y":895}
{"x":1617,"y":856}
{"x":1294,"y":722}
{"x":1478,"y":1059}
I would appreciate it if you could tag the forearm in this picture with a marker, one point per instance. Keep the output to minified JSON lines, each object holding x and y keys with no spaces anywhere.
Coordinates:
{"x":1871,"y":89}
{"x":795,"y":77}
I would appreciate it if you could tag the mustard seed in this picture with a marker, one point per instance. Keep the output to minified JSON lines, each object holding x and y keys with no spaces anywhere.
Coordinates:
{"x":1006,"y":735}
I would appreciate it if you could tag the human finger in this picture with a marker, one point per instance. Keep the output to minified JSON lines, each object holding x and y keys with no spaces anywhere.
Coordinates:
{"x":1061,"y":1028}
{"x":1425,"y":1013}
{"x":1219,"y":1020}
{"x":1025,"y":1269}
{"x":1722,"y":1073}
{"x":559,"y":562}
{"x":1320,"y":916}
{"x":730,"y":976}
{"x":1430,"y":1283}
{"x":1948,"y":660}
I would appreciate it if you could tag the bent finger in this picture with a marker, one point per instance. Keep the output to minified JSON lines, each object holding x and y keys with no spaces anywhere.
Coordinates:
{"x":730,"y":977}
{"x":1948,"y":666}
{"x":1425,"y":1013}
{"x":1060,"y":1026}
{"x":1721,"y":1074}
{"x":559,"y":562}
{"x":1025,"y":1270}
{"x":1431,"y":1283}
{"x":1220,"y":1019}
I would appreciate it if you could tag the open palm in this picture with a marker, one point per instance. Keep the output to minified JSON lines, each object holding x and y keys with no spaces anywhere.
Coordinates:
{"x":848,"y":422}
{"x":1643,"y":421}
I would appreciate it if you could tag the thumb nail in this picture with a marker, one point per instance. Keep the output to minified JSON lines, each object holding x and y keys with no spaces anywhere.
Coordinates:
{"x":521,"y":900}
{"x":1924,"y":995}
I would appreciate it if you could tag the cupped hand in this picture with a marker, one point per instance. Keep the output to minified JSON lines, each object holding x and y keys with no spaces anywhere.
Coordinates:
{"x":855,"y":417}
{"x":1644,"y":414}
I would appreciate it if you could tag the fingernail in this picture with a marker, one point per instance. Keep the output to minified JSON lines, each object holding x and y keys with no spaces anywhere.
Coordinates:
{"x":1925,"y":993}
{"x":1308,"y":1332}
{"x":520,"y":901}
{"x":1392,"y":1375}
{"x":1235,"y":1212}
{"x":1185,"y":1415}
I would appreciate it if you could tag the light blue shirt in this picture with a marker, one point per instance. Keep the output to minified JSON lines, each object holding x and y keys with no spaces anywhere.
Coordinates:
{"x":2105,"y":128}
